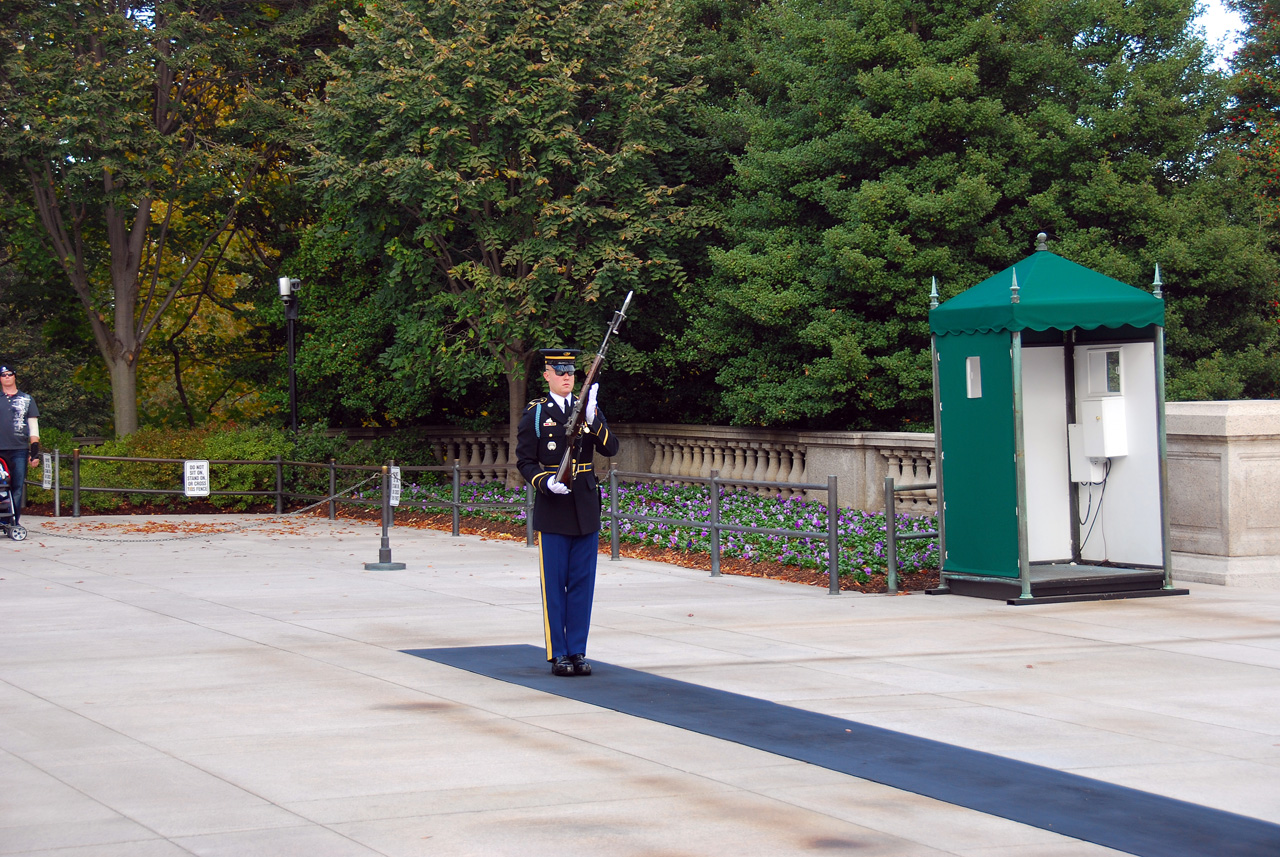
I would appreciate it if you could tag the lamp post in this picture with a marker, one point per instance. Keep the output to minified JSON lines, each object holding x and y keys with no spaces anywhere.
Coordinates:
{"x":289,"y":294}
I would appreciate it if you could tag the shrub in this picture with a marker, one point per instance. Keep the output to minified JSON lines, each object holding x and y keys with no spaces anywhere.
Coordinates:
{"x":258,"y":443}
{"x":227,"y":442}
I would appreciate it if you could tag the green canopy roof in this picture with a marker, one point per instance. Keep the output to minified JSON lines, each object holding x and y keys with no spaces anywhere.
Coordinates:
{"x":1053,"y":293}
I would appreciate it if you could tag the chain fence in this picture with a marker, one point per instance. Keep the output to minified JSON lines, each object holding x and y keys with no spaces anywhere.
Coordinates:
{"x":270,"y":519}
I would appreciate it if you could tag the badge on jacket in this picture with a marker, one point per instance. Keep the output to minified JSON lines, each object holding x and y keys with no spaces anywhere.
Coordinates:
{"x":551,"y":445}
{"x":548,"y":422}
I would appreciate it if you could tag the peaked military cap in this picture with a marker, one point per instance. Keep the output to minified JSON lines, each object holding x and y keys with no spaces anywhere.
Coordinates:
{"x":561,"y":359}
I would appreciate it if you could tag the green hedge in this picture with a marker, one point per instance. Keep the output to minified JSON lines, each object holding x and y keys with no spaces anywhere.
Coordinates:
{"x":229,"y":443}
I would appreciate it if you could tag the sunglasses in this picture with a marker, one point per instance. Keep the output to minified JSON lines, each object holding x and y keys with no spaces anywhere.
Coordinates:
{"x":562,"y":372}
{"x":6,"y":374}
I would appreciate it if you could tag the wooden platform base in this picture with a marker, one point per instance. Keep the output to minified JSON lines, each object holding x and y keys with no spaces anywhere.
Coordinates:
{"x":1062,"y":582}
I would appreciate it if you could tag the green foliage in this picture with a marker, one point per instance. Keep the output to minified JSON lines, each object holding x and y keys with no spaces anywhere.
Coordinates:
{"x":881,"y":143}
{"x":1222,"y":280}
{"x":230,"y":442}
{"x":63,"y":391}
{"x":138,"y":131}
{"x":52,"y":438}
{"x":144,"y":443}
{"x":313,"y":443}
{"x":509,"y":163}
{"x":486,"y":178}
{"x":256,"y":443}
{"x":1255,"y":113}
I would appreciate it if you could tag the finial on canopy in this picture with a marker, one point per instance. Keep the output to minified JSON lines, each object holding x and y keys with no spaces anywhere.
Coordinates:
{"x":1159,"y":286}
{"x":1013,"y":290}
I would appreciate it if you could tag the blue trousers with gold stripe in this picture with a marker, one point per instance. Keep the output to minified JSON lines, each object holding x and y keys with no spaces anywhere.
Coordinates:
{"x":568,"y":566}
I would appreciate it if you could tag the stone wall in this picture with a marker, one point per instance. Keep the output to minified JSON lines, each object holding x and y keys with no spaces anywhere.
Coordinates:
{"x":1224,"y":491}
{"x":860,"y":461}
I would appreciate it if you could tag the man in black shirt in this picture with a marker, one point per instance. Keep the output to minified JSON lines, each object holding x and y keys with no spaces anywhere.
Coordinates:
{"x":19,"y":435}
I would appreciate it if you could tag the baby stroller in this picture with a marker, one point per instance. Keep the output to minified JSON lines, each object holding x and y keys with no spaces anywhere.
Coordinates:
{"x":8,"y":519}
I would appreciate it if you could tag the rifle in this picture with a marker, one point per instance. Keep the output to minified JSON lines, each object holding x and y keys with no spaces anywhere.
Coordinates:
{"x":578,"y":418}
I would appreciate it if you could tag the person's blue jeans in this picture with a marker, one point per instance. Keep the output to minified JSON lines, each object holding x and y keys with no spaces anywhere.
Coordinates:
{"x":16,"y":461}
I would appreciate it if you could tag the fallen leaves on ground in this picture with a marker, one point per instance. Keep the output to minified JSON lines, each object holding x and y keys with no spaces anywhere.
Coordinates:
{"x":876,"y":583}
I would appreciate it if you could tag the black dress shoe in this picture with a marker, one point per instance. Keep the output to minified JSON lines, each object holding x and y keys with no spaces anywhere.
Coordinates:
{"x":580,"y":665}
{"x":562,"y":667}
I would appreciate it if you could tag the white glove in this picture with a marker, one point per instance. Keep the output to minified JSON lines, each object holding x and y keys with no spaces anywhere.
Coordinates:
{"x":591,"y":403}
{"x":555,"y":486}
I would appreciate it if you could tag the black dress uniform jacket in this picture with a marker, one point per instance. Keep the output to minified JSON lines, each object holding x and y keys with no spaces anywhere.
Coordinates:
{"x":540,"y":444}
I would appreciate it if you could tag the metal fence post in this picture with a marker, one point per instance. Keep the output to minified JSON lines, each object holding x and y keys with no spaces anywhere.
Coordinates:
{"x":833,"y":542}
{"x":715,"y":523}
{"x":75,"y":482}
{"x":614,"y":547}
{"x":333,"y":489}
{"x":457,"y":496}
{"x":891,"y":536}
{"x":384,"y":562}
{"x":279,"y":485}
{"x":57,"y":482}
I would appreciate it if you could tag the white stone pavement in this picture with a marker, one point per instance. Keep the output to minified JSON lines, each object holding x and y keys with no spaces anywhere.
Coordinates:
{"x":246,"y":694}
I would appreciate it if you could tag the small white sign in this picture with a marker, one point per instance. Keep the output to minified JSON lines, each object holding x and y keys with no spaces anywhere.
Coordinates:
{"x":195,"y":478}
{"x":46,"y":465}
{"x":395,"y":486}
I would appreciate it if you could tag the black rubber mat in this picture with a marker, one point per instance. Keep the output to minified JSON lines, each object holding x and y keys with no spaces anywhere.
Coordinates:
{"x":1121,"y":818}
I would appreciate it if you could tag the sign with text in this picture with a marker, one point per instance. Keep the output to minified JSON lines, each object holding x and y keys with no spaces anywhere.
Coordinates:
{"x":195,"y":478}
{"x":395,"y":486}
{"x":46,"y":464}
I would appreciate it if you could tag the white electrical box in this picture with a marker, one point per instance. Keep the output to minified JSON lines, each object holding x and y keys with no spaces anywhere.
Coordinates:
{"x":1106,"y":434}
{"x":1083,"y":468}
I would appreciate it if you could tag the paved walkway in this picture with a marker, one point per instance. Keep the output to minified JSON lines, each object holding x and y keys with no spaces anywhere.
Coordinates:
{"x":247,"y":694}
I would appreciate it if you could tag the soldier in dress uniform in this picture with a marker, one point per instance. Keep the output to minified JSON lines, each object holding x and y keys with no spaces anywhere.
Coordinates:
{"x":567,"y":518}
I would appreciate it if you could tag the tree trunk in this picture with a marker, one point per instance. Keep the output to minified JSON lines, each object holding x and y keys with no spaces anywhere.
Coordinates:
{"x":124,"y":394}
{"x":517,"y":398}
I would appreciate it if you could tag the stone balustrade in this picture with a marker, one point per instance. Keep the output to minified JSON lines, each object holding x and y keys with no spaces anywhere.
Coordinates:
{"x":482,"y":456}
{"x":859,"y":460}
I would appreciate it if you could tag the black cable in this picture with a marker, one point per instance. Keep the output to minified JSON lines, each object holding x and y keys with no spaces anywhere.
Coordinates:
{"x":1105,"y":474}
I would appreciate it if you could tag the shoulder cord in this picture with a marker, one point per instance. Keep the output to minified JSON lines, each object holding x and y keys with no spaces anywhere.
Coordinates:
{"x":537,"y":421}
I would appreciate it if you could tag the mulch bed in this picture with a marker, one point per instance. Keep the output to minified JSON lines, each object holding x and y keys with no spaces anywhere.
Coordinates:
{"x":907,"y":583}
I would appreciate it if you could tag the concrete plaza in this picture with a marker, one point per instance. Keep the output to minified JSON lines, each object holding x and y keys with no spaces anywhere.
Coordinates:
{"x":247,"y":694}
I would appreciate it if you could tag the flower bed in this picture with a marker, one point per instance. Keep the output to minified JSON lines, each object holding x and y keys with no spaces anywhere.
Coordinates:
{"x":861,"y":535}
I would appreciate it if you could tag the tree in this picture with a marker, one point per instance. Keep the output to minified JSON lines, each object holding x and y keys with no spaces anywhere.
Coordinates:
{"x":139,"y":130}
{"x":47,"y":373}
{"x":1255,"y":115}
{"x":506,"y":162}
{"x":881,"y":142}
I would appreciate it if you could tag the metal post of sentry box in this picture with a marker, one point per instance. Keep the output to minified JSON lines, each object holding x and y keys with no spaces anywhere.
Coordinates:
{"x":940,"y":501}
{"x":1019,"y":451}
{"x":1162,"y":445}
{"x":1020,"y":459}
